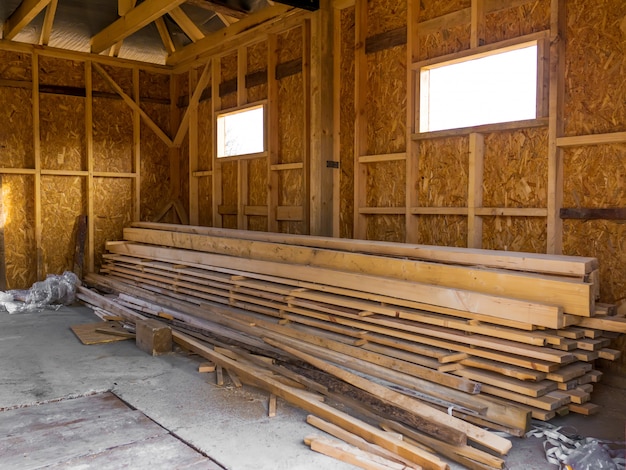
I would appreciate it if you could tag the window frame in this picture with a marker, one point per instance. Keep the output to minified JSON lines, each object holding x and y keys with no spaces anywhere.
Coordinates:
{"x":236,"y":110}
{"x":542,"y":83}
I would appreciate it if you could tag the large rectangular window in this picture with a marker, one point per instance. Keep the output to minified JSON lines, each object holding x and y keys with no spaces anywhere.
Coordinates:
{"x":493,"y":87}
{"x":241,"y":132}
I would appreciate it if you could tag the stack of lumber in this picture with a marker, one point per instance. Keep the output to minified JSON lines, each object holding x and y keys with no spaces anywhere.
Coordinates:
{"x":436,"y":336}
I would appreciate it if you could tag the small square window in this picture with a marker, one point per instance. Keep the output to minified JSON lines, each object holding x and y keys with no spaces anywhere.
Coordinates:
{"x":498,"y":86}
{"x":241,"y":132}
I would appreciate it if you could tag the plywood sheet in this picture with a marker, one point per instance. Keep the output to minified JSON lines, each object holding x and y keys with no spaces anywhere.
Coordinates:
{"x":290,"y":45}
{"x":155,"y":169}
{"x":515,"y":22}
{"x":112,"y":136}
{"x":516,"y":169}
{"x":205,"y":201}
{"x":442,"y":230}
{"x":87,"y":332}
{"x":386,"y":184}
{"x":122,"y":76}
{"x":62,"y":131}
{"x":291,"y":119}
{"x":15,"y":66}
{"x":16,"y":131}
{"x":446,"y":41}
{"x":385,"y":15}
{"x":154,"y":85}
{"x":62,"y":72}
{"x":595,"y":88}
{"x":386,"y":101}
{"x":389,"y":228}
{"x":228,"y":66}
{"x":257,"y":182}
{"x":346,"y":124}
{"x":205,"y":135}
{"x":257,"y":62}
{"x":442,"y":178}
{"x":515,"y":234}
{"x":18,"y":192}
{"x":113,"y":210}
{"x":434,"y":8}
{"x":63,"y":198}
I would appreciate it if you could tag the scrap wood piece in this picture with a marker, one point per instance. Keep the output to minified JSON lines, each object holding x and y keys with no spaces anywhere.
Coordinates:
{"x":357,"y":441}
{"x":304,"y":401}
{"x":471,"y":457}
{"x":439,"y":424}
{"x":206,"y":367}
{"x":610,"y":354}
{"x":271,"y":405}
{"x":88,"y":333}
{"x":350,"y":454}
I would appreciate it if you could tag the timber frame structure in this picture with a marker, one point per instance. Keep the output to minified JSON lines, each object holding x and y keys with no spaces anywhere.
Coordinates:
{"x":123,"y":141}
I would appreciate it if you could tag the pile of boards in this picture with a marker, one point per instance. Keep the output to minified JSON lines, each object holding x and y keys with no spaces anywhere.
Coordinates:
{"x":434,"y":343}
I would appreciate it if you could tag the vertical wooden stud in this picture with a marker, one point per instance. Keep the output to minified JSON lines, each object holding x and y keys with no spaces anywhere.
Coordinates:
{"x":91,"y":220}
{"x":336,"y":152}
{"x":477,"y":37}
{"x":320,"y":131}
{"x":174,"y":152}
{"x":475,"y":190}
{"x":412,"y":154}
{"x":242,"y":164}
{"x":272,"y":133}
{"x":136,"y":147}
{"x":37,"y":151}
{"x":194,"y":217}
{"x":312,"y":194}
{"x":555,"y":126}
{"x":3,"y":274}
{"x":360,"y":124}
{"x":217,"y":166}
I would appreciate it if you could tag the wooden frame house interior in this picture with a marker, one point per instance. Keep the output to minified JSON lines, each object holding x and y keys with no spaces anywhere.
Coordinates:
{"x":110,"y":110}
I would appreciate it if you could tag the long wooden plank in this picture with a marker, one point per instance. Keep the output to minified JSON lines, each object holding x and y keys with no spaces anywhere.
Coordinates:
{"x":545,"y":315}
{"x":251,"y":376}
{"x":574,"y":266}
{"x":574,"y":297}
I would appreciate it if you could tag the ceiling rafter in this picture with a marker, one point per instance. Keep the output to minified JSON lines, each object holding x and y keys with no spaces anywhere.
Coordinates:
{"x":217,"y":8}
{"x":46,"y":29}
{"x":189,"y":27}
{"x":123,"y":7}
{"x":170,"y":48}
{"x":138,"y":17}
{"x":23,"y":14}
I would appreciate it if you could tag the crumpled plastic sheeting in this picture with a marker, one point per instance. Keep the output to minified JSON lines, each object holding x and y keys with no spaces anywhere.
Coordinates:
{"x":55,"y":290}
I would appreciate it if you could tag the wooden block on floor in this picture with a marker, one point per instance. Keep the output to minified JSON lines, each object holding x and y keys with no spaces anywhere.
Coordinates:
{"x":98,"y":333}
{"x":206,"y":367}
{"x":584,"y":409}
{"x":153,"y":336}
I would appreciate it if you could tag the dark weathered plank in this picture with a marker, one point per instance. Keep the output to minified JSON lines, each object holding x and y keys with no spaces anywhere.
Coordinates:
{"x":590,"y":213}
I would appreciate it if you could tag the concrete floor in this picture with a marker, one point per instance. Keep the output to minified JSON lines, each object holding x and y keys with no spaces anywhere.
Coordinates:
{"x":42,"y":360}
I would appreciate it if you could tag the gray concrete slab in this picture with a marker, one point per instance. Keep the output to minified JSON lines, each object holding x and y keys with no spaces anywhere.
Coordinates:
{"x":42,"y":360}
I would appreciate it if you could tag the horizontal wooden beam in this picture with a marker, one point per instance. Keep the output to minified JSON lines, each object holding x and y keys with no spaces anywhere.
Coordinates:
{"x":140,"y":16}
{"x":589,"y":213}
{"x":592,"y":139}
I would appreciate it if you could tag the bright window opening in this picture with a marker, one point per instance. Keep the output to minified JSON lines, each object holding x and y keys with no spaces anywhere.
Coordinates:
{"x":241,"y":132}
{"x":493,"y":88}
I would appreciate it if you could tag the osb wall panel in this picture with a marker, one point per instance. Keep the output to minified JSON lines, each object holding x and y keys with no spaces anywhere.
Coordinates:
{"x":154,"y":85}
{"x":290,"y":45}
{"x":53,"y":71}
{"x":385,"y":15}
{"x":257,"y":223}
{"x":596,"y":177}
{"x":155,"y":166}
{"x":113,"y":210}
{"x":515,"y":234}
{"x":62,"y":200}
{"x":257,"y":191}
{"x":516,"y":169}
{"x":430,"y":9}
{"x":390,"y":228}
{"x":446,"y":41}
{"x":184,"y":174}
{"x":257,"y":62}
{"x":291,"y":193}
{"x":62,"y":131}
{"x":122,"y":76}
{"x":442,"y":230}
{"x":112,"y":136}
{"x":15,"y":66}
{"x":346,"y":124}
{"x":230,"y":191}
{"x":18,"y":203}
{"x":442,"y":178}
{"x":386,"y":184}
{"x":228,"y":69}
{"x":386,"y":101}
{"x":205,"y":135}
{"x":291,"y":119}
{"x":595,"y":88}
{"x":205,"y":201}
{"x":16,"y":130}
{"x":515,"y":22}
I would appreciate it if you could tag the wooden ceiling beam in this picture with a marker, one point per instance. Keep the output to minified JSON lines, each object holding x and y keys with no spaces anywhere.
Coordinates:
{"x":46,"y":29}
{"x":23,"y":14}
{"x":217,"y":8}
{"x":189,"y":27}
{"x":140,"y":16}
{"x":170,"y":48}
